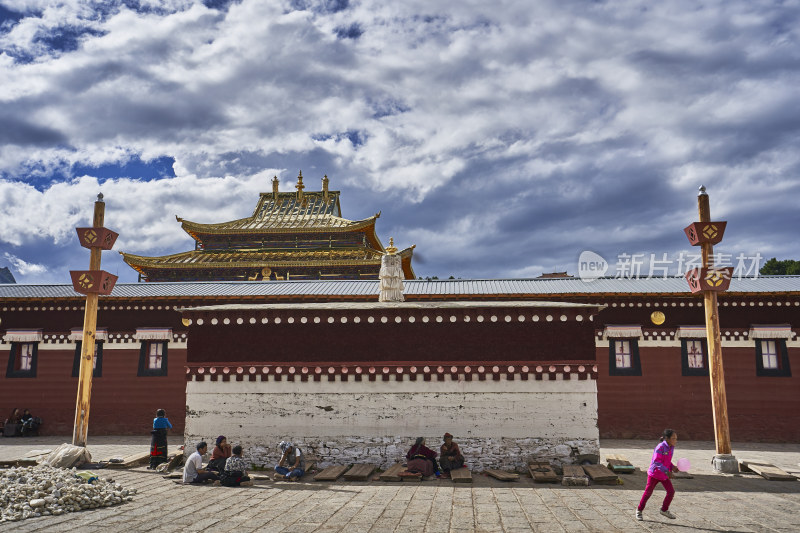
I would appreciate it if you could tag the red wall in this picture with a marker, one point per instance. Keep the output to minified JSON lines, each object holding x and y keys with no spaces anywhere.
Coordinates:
{"x":759,"y":408}
{"x":122,"y":403}
{"x":471,"y":341}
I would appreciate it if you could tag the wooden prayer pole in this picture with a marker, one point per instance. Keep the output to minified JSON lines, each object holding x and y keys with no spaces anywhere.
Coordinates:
{"x":719,"y":402}
{"x":81,"y":428}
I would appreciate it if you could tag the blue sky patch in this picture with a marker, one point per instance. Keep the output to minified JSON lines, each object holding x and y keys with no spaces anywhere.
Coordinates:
{"x":134,"y":168}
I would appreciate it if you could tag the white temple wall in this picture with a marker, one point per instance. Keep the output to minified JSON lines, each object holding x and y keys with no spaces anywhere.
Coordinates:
{"x":497,"y":423}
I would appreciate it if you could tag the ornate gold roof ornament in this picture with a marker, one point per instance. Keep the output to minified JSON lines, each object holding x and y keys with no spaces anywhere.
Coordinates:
{"x":391,"y":276}
{"x":275,"y":182}
{"x":300,"y":187}
{"x":325,"y":196}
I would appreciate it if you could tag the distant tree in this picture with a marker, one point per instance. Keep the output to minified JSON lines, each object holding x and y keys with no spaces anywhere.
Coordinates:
{"x":785,"y":267}
{"x":451,"y":277}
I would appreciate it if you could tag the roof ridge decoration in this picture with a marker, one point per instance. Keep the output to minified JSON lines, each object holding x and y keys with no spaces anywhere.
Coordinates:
{"x":280,"y":212}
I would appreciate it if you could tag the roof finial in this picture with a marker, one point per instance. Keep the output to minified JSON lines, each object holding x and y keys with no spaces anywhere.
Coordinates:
{"x":275,"y":182}
{"x":391,"y":249}
{"x":325,"y":188}
{"x":100,"y":197}
{"x":300,"y":187}
{"x":702,"y":191}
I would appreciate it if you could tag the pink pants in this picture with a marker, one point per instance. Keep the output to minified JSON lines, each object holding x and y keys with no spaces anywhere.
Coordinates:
{"x":648,"y":491}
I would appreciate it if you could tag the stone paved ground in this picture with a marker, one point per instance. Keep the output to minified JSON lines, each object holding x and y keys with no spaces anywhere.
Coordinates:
{"x":712,"y":503}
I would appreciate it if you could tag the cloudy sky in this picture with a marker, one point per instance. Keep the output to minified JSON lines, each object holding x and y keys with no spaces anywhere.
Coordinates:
{"x":502,"y":138}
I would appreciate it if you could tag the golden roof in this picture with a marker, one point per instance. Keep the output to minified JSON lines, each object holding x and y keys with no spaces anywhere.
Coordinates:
{"x":256,"y":258}
{"x":286,"y":213}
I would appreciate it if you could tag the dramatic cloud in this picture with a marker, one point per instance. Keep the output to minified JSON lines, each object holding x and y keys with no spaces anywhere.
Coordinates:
{"x":502,"y":138}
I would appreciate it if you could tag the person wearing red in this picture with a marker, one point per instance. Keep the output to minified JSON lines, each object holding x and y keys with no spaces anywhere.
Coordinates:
{"x":661,"y":469}
{"x":422,"y":459}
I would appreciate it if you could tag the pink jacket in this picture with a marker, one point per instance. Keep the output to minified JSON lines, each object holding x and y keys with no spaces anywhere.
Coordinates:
{"x":661,"y":465}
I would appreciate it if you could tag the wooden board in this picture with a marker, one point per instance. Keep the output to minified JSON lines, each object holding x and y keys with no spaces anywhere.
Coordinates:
{"x":461,"y":475}
{"x":131,"y":460}
{"x":599,"y":473}
{"x":573,"y":471}
{"x":332,"y":473}
{"x":620,"y":464}
{"x":410,"y":476}
{"x":768,"y":471}
{"x":542,"y":472}
{"x":19,"y":462}
{"x":502,"y":475}
{"x":359,"y":472}
{"x":392,"y":473}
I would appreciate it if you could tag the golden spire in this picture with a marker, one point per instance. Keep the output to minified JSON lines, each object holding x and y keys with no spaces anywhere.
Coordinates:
{"x":275,"y":188}
{"x":325,"y":188}
{"x":391,"y":250}
{"x":300,"y":187}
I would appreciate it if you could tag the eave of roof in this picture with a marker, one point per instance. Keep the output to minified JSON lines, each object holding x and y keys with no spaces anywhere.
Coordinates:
{"x":477,"y":288}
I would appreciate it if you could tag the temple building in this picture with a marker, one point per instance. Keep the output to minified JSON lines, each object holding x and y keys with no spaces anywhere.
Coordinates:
{"x":290,"y":236}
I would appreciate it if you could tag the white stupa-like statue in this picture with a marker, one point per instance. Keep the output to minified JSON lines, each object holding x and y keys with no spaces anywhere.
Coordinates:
{"x":391,"y":276}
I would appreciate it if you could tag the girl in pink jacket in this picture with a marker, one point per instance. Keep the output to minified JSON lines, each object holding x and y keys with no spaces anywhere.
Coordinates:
{"x":660,"y":471}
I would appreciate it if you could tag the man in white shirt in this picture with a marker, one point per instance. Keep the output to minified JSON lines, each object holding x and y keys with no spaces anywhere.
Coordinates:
{"x":193,"y":471}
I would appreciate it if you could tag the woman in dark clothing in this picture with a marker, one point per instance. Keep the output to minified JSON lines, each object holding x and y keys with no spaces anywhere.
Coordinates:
{"x":158,"y":441}
{"x":422,"y":459}
{"x":220,"y":454}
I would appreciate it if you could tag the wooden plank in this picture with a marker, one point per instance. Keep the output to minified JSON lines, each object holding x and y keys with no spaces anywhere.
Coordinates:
{"x":393,"y":473}
{"x":573,"y":471}
{"x":19,"y":462}
{"x":131,"y":460}
{"x":332,"y":473}
{"x":542,"y":472}
{"x":502,"y":475}
{"x":599,"y":473}
{"x":461,"y":475}
{"x":410,"y":476}
{"x":359,"y":472}
{"x":621,"y":467}
{"x":768,"y":471}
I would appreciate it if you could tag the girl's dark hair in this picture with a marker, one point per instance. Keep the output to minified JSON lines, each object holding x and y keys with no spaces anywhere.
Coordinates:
{"x":667,"y":434}
{"x":161,"y":412}
{"x":237,"y":450}
{"x":419,"y":441}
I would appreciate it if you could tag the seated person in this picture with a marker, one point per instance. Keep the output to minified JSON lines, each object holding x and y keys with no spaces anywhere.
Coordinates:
{"x":193,"y":471}
{"x":30,"y":424}
{"x":13,"y":424}
{"x":292,"y":465}
{"x":422,"y":459}
{"x":220,"y":454}
{"x":451,"y":458}
{"x":234,"y":474}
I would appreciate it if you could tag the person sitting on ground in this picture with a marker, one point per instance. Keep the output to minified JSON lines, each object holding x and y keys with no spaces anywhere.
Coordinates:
{"x":422,"y":459}
{"x":158,"y":441}
{"x":292,"y":465}
{"x":219,"y":455}
{"x":451,"y":458}
{"x":13,"y":424}
{"x":30,"y":424}
{"x":234,"y":474}
{"x":193,"y":471}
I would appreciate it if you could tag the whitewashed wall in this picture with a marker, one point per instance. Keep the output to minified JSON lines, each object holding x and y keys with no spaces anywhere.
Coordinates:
{"x":498,"y":424}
